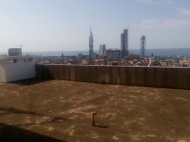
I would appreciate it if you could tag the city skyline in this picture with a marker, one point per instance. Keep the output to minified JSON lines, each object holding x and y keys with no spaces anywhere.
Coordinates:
{"x":63,"y":25}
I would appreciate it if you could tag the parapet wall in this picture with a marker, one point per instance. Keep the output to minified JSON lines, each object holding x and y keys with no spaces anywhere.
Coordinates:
{"x":177,"y":78}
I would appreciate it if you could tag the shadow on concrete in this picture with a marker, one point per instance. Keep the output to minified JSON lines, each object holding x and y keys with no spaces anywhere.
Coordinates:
{"x":13,"y":110}
{"x":43,"y":72}
{"x":31,"y":81}
{"x":100,"y":126}
{"x":14,"y":134}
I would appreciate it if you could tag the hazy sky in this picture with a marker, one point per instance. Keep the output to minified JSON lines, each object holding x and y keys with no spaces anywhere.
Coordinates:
{"x":64,"y":25}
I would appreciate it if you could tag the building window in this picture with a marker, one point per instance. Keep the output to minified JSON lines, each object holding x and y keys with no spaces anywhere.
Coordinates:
{"x":11,"y":61}
{"x":28,"y":60}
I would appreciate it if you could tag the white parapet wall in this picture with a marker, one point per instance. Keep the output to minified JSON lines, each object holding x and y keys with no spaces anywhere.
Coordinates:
{"x":14,"y":68}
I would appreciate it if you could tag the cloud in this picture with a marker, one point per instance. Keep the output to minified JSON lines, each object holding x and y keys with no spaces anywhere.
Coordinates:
{"x":182,"y":11}
{"x":169,"y":1}
{"x":147,"y":1}
{"x":165,"y":23}
{"x":149,"y":23}
{"x":156,"y":1}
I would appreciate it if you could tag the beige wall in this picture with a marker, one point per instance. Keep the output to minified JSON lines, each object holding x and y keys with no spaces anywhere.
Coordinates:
{"x":178,"y":78}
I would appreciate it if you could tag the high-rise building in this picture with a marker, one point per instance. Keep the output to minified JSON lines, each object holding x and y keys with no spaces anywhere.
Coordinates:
{"x":124,"y":43}
{"x":142,"y":46}
{"x":15,"y":52}
{"x":102,"y":49}
{"x":90,"y":44}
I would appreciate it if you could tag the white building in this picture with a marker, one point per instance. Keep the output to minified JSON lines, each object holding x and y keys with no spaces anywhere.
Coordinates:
{"x":13,"y":68}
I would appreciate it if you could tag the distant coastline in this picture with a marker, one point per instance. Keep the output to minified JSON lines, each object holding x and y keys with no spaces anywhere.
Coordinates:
{"x":156,"y":52}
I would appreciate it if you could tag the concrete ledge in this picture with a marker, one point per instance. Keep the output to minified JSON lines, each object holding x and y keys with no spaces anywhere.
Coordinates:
{"x":177,"y":78}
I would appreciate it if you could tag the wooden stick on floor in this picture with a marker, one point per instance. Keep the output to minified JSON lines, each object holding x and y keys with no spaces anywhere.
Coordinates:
{"x":92,"y":117}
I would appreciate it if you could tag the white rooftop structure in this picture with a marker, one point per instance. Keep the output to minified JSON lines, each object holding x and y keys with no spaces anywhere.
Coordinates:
{"x":13,"y":68}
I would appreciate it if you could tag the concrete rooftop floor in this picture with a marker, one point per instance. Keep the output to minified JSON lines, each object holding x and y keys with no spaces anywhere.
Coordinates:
{"x":57,"y":110}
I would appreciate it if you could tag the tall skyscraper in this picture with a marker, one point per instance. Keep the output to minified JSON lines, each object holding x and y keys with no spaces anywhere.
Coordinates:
{"x":124,"y":43}
{"x":91,"y":44}
{"x":102,"y":49}
{"x":143,"y":45}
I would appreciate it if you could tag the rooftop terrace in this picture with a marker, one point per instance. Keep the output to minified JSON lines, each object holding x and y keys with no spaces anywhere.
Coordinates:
{"x":57,"y":110}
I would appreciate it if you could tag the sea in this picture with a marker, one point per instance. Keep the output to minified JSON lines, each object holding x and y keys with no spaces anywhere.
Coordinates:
{"x":166,"y":52}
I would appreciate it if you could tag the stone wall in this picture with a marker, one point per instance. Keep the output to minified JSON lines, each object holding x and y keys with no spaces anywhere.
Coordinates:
{"x":178,"y":78}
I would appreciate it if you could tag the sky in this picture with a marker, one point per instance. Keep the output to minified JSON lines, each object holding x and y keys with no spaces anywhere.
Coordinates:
{"x":64,"y":25}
